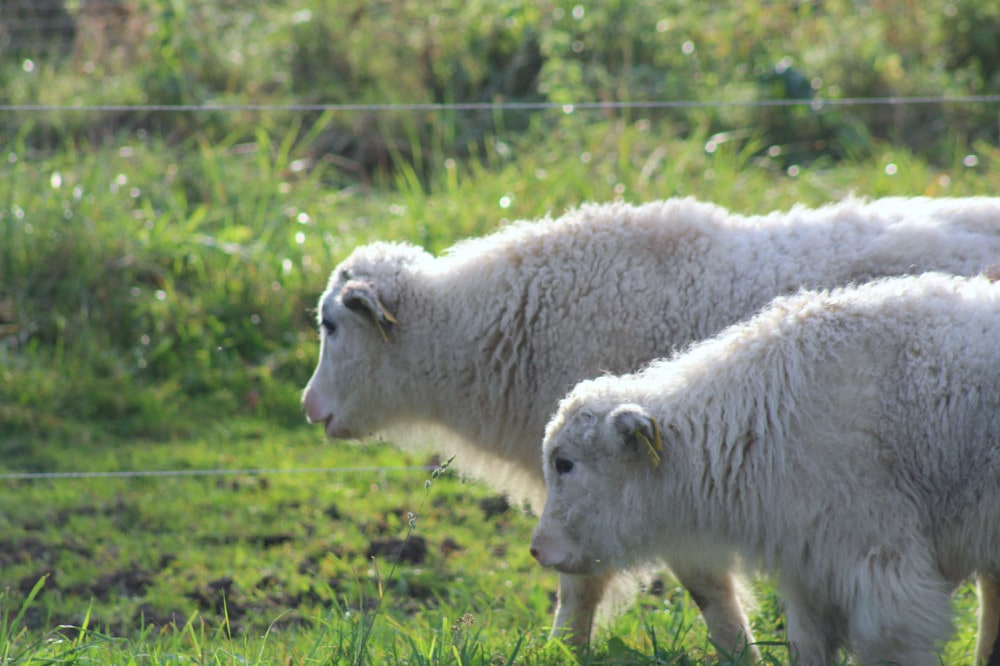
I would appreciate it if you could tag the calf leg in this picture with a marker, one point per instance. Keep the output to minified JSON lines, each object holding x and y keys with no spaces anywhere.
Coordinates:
{"x":987,"y":648}
{"x":813,"y":636}
{"x":902,"y":615}
{"x":578,"y":600}
{"x":715,"y":594}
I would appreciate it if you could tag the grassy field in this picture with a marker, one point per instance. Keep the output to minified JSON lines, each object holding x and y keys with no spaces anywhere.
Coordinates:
{"x":159,"y":266}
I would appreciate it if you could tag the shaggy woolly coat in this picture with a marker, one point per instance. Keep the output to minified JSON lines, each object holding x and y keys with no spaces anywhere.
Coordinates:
{"x":471,"y":351}
{"x":848,"y":441}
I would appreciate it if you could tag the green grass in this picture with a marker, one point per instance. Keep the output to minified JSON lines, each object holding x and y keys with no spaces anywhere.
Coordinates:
{"x":158,"y":270}
{"x":276,"y":563}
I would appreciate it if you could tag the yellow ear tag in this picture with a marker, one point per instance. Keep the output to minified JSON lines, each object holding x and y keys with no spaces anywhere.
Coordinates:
{"x":652,"y":448}
{"x":388,"y":317}
{"x":385,"y":313}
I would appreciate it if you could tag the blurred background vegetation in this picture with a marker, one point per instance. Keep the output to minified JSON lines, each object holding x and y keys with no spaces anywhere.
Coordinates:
{"x":181,"y":250}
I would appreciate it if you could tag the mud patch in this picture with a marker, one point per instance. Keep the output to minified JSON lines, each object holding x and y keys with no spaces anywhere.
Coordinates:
{"x":221,"y":597}
{"x":413,"y":550}
{"x":494,"y":506}
{"x":129,"y":583}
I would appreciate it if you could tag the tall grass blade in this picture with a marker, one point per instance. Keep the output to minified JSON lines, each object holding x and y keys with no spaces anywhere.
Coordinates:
{"x":11,"y":632}
{"x":28,"y":601}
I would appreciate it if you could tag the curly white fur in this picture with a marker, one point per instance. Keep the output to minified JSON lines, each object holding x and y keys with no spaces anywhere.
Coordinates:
{"x":848,"y":441}
{"x":470,"y":352}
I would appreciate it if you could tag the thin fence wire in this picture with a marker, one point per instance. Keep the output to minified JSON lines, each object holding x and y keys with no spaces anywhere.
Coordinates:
{"x":133,"y":474}
{"x":814,"y":103}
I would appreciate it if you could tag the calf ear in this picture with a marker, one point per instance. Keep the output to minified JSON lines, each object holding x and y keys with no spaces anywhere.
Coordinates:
{"x":639,"y":431}
{"x":361,"y":297}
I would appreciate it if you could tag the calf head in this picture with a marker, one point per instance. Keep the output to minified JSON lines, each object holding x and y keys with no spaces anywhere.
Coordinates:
{"x":597,"y":459}
{"x":351,"y":389}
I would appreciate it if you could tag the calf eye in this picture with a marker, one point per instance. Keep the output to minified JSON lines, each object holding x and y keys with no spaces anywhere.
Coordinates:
{"x":329,"y":326}
{"x":563,"y":466}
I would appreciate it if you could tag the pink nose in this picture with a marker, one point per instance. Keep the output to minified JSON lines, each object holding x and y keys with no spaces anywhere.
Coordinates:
{"x":314,"y":411}
{"x":548,"y":550}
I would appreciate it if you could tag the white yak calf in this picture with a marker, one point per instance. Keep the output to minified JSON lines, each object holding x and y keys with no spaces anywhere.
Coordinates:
{"x":481,"y":343}
{"x":846,"y":441}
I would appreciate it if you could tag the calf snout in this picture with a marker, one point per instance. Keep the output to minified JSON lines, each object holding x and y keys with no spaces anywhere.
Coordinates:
{"x":315,"y":411}
{"x":548,"y":550}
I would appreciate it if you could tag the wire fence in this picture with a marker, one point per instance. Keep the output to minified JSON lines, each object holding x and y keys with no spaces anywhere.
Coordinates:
{"x":814,"y":103}
{"x":134,"y":474}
